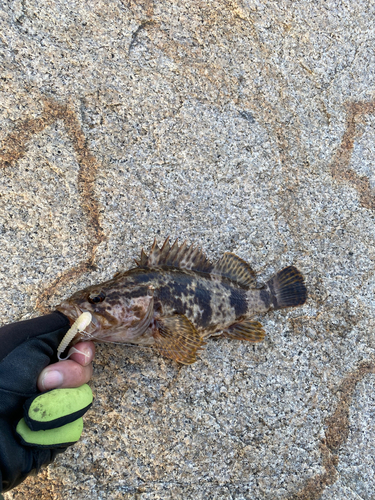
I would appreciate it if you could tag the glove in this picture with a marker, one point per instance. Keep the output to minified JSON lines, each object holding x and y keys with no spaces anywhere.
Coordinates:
{"x":34,"y":427}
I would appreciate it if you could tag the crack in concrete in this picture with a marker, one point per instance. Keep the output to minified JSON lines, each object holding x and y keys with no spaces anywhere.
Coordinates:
{"x":140,"y":28}
{"x":15,"y":147}
{"x":340,"y":166}
{"x":336,"y":435}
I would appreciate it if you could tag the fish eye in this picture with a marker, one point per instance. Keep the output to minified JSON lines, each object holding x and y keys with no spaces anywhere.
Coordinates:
{"x":95,"y":298}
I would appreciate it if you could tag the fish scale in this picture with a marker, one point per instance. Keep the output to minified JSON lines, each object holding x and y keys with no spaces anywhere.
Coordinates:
{"x":176,"y":298}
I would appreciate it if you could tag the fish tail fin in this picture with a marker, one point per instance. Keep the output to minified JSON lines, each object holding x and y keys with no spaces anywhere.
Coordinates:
{"x":287,"y":288}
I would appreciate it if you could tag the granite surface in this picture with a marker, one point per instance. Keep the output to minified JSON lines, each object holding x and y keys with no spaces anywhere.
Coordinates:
{"x":241,"y":125}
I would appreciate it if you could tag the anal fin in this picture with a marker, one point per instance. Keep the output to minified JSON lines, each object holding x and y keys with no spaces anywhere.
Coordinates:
{"x":177,"y":339}
{"x":249,"y":330}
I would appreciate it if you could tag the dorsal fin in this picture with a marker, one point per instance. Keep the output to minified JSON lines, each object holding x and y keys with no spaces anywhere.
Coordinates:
{"x":235,"y":269}
{"x":182,"y":256}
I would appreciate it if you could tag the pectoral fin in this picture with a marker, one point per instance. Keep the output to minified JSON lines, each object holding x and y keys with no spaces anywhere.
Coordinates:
{"x":177,"y":339}
{"x":249,"y":330}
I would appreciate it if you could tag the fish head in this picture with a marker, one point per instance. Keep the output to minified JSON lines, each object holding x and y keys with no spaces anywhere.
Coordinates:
{"x":118,"y":314}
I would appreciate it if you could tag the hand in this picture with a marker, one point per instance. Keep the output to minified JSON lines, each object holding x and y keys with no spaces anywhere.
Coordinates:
{"x":73,"y":372}
{"x":35,"y":427}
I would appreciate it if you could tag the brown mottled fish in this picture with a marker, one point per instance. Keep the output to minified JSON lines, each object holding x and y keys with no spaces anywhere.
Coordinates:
{"x":176,"y":298}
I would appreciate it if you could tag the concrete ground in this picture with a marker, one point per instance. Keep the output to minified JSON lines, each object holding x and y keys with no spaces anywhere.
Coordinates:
{"x":240,"y":125}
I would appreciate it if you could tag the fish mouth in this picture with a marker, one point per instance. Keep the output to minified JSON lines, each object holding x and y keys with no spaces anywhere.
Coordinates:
{"x":72,"y":312}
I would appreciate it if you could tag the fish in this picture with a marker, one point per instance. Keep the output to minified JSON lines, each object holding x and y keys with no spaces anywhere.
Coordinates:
{"x":176,"y":298}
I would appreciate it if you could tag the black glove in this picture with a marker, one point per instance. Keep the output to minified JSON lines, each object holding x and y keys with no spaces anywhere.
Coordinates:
{"x":26,"y":348}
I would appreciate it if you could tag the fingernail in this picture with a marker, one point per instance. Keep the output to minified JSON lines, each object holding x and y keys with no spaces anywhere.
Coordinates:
{"x":87,"y":351}
{"x":52,"y":379}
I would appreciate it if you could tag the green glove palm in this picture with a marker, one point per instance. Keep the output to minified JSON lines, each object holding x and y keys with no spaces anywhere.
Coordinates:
{"x":54,"y":419}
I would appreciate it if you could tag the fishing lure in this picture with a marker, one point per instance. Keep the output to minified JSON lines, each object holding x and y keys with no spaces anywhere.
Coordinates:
{"x":77,"y":327}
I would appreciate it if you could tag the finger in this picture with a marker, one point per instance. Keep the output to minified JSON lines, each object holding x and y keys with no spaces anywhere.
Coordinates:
{"x":88,"y":348}
{"x":64,"y":374}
